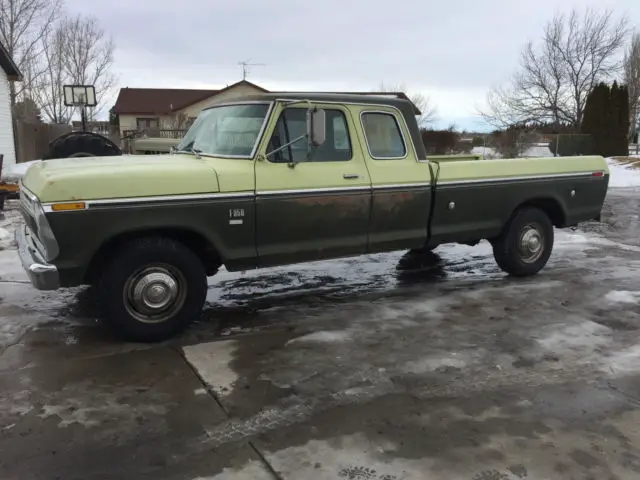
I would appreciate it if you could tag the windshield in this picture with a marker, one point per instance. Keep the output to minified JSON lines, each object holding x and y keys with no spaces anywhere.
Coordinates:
{"x":226,"y":131}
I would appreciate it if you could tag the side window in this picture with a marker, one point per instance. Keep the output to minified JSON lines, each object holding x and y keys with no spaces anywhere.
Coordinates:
{"x":292,"y":124}
{"x":383,"y":135}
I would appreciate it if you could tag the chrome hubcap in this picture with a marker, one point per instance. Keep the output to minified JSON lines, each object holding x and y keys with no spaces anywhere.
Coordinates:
{"x":531,"y":244}
{"x":154,"y":294}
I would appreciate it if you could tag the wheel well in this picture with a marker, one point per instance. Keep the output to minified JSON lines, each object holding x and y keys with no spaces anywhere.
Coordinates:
{"x":195,"y":241}
{"x":550,"y":206}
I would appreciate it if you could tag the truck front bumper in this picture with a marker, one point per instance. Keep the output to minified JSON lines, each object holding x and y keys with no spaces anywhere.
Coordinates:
{"x":42,"y":275}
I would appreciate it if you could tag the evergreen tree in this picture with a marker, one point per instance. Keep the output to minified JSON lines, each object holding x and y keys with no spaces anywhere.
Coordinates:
{"x":613,"y":125}
{"x":606,"y":119}
{"x":596,"y":118}
{"x":623,"y":124}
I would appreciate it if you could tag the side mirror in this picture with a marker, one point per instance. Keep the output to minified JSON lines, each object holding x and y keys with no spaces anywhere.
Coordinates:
{"x":316,"y":126}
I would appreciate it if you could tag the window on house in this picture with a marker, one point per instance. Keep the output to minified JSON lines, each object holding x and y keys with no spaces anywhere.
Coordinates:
{"x":292,"y":124}
{"x":147,"y":123}
{"x":383,"y":135}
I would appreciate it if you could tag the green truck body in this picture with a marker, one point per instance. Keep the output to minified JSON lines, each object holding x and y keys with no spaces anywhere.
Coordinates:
{"x":278,"y":179}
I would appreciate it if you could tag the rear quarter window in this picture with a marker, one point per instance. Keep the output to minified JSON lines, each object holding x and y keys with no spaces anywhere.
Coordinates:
{"x":383,"y":135}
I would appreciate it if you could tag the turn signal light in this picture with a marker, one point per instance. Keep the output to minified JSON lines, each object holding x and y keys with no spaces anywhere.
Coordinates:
{"x":61,"y":207}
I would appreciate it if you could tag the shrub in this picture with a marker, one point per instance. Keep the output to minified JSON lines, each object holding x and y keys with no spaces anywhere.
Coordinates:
{"x":439,"y":142}
{"x":571,"y":145}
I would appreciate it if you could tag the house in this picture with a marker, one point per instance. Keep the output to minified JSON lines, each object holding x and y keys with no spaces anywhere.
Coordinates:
{"x":8,"y":72}
{"x":170,"y":108}
{"x":148,"y":109}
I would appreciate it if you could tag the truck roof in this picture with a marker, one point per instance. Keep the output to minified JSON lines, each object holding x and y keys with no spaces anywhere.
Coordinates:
{"x":404,"y":105}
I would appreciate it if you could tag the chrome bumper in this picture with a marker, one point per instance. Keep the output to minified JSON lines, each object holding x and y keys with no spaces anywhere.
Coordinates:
{"x":42,"y":275}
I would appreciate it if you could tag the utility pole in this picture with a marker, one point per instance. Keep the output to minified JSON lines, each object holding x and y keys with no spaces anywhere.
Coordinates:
{"x":246,"y":64}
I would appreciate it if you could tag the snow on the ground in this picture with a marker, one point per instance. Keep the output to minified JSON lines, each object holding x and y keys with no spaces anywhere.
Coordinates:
{"x":9,"y":219}
{"x":623,"y":175}
{"x":536,"y":150}
{"x":5,"y":237}
{"x":10,"y":268}
{"x":623,"y":296}
{"x":15,"y":171}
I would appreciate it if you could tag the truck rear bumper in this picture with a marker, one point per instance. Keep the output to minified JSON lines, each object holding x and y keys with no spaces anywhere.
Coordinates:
{"x":42,"y":275}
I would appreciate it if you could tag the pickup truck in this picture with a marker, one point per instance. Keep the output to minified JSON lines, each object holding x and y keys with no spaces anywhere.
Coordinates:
{"x":277,"y":179}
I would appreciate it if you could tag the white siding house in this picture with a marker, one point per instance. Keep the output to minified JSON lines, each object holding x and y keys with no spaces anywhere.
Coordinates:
{"x":8,"y":72}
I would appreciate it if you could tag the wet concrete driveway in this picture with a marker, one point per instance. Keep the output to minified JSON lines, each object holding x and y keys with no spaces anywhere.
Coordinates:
{"x":344,"y":370}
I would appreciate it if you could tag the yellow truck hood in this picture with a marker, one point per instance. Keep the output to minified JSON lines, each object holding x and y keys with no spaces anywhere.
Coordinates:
{"x":90,"y":178}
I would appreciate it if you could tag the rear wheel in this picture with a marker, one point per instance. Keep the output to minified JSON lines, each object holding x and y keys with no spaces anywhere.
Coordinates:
{"x":152,"y":289}
{"x":525,"y":245}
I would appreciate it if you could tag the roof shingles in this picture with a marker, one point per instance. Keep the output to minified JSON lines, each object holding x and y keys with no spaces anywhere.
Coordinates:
{"x":164,"y":101}
{"x":157,"y":101}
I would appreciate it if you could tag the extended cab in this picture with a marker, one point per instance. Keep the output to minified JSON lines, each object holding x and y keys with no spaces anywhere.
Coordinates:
{"x":278,"y":179}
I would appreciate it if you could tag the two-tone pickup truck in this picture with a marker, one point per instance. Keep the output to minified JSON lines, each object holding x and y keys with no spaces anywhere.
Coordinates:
{"x":278,"y":179}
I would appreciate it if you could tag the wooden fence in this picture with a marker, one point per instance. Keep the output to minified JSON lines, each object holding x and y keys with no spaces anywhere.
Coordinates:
{"x":32,"y":139}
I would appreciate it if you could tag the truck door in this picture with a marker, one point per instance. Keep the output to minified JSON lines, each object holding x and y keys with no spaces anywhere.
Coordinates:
{"x":320,"y":207}
{"x":400,"y":183}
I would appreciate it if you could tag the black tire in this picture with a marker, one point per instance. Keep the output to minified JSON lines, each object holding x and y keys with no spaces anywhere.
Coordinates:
{"x":525,"y":245}
{"x":139,"y":259}
{"x":82,"y":144}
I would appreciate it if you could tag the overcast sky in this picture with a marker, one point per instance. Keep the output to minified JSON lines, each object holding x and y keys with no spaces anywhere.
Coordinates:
{"x":452,"y":50}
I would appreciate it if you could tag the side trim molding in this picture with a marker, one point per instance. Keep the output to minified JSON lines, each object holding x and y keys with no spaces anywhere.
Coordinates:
{"x":268,"y":193}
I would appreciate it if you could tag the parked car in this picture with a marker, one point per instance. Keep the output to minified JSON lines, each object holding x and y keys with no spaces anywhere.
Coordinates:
{"x":278,"y":179}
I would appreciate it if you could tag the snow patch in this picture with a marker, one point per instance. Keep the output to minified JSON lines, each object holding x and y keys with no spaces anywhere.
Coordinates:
{"x":10,"y":218}
{"x":12,"y":173}
{"x":623,"y":296}
{"x":353,"y":456}
{"x":582,"y":338}
{"x":539,"y":150}
{"x":5,"y":238}
{"x":326,"y":336}
{"x":624,"y":361}
{"x":211,"y":360}
{"x":434,"y":363}
{"x":622,"y":175}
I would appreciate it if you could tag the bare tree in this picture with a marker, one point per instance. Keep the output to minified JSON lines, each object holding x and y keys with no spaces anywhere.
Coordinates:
{"x":88,"y":56}
{"x":23,"y":24}
{"x":75,"y":51}
{"x":422,"y":102}
{"x":513,"y":142}
{"x":632,"y":80}
{"x":576,"y":52}
{"x":48,"y":88}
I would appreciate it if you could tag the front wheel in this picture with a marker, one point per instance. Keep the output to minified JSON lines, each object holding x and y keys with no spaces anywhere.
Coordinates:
{"x":152,"y":289}
{"x":525,"y":245}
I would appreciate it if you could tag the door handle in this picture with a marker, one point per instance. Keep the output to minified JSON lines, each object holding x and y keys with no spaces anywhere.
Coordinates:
{"x":350,"y":176}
